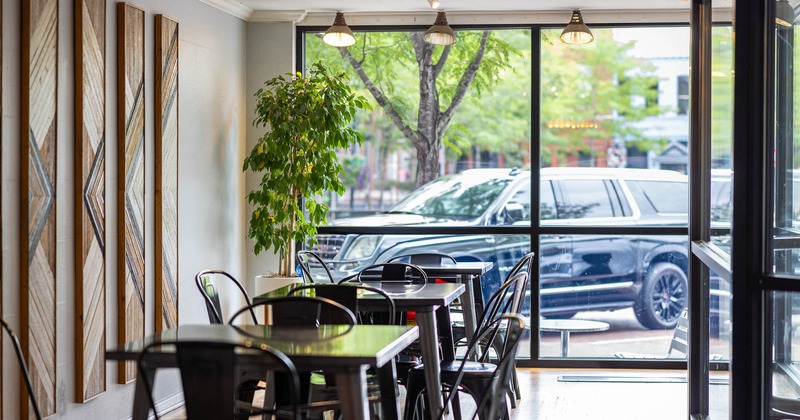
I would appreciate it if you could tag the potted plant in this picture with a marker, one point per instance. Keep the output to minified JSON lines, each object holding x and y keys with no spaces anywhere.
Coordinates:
{"x":308,"y":118}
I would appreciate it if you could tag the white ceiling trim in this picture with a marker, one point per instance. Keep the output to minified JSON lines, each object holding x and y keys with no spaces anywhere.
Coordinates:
{"x":231,"y":7}
{"x":278,"y":16}
{"x":512,"y":17}
{"x":306,"y":18}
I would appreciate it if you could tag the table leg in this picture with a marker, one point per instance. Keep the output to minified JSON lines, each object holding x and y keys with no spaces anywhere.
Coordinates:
{"x":141,"y":394}
{"x":426,"y":321}
{"x":351,"y":386}
{"x":387,"y":378}
{"x":564,"y":343}
{"x":469,"y":306}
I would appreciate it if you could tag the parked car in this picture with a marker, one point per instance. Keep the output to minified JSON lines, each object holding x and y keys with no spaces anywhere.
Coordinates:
{"x":595,"y":271}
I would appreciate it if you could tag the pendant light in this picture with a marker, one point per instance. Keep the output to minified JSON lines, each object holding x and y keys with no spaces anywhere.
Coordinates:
{"x":784,"y":13}
{"x":339,"y":35}
{"x":576,"y":31}
{"x":440,"y":33}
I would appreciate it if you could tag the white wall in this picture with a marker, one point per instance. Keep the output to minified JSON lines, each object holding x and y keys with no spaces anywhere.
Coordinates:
{"x":270,"y":52}
{"x":212,"y":127}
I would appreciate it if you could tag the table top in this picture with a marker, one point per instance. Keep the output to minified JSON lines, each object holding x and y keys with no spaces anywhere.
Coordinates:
{"x":312,"y":348}
{"x":572,"y":325}
{"x":406,"y":297}
{"x":474,"y":268}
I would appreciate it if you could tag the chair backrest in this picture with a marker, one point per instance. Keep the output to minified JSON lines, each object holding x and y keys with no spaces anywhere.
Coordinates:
{"x":430,"y":259}
{"x":525,"y":263}
{"x":209,"y":289}
{"x":508,"y":298}
{"x":493,"y":401}
{"x":393,"y":273}
{"x":434,"y":259}
{"x":347,"y":295}
{"x":680,"y":338}
{"x":301,"y":311}
{"x":23,"y":367}
{"x":313,"y":268}
{"x":208,"y":375}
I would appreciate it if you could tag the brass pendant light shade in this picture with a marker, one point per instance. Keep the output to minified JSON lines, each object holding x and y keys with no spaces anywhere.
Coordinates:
{"x":440,"y":33}
{"x":339,"y":34}
{"x":576,"y":31}
{"x":784,"y":13}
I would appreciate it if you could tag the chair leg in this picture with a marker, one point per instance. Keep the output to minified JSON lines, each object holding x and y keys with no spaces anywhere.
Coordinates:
{"x":415,"y":386}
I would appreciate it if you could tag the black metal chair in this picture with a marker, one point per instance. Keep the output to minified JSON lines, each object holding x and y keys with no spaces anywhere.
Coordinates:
{"x":300,"y":312}
{"x":396,"y":272}
{"x":487,"y":382}
{"x":313,"y":267}
{"x":323,"y":386}
{"x":209,"y":376}
{"x":407,"y":358}
{"x":508,"y":298}
{"x":23,"y":367}
{"x":209,"y":288}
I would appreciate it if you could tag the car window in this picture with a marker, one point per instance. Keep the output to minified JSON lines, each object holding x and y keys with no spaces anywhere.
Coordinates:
{"x":666,"y":196}
{"x":547,"y":204}
{"x":460,"y":197}
{"x":584,"y":198}
{"x":522,"y":197}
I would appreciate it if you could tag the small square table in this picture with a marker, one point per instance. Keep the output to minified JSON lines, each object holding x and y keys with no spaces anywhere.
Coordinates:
{"x":430,"y":302}
{"x":345,"y":350}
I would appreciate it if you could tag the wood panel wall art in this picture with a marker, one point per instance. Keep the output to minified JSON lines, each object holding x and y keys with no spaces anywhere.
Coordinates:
{"x":130,"y":188}
{"x":37,"y":248}
{"x":90,"y":209}
{"x":166,"y":173}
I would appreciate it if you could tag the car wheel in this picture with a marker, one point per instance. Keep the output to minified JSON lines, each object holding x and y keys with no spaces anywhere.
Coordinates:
{"x":663,"y":297}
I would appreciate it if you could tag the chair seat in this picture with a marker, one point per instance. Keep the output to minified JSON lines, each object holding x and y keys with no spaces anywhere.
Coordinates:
{"x":451,"y":368}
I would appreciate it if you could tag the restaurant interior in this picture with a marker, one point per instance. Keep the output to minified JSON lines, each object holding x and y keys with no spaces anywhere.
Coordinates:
{"x":140,"y":131}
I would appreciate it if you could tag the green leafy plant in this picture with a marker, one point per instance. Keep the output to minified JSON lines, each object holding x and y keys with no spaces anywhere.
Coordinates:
{"x":308,"y":118}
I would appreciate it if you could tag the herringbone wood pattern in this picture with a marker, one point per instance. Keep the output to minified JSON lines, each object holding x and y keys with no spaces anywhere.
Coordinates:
{"x":166,"y":198}
{"x":39,"y":75}
{"x":130,"y":192}
{"x":90,"y":292}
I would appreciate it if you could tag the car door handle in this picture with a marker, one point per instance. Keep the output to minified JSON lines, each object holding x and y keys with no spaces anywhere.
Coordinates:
{"x":490,"y":239}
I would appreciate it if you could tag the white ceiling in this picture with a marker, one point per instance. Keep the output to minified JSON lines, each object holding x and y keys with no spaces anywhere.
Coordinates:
{"x":310,"y":12}
{"x":374,"y":6}
{"x":467,"y":5}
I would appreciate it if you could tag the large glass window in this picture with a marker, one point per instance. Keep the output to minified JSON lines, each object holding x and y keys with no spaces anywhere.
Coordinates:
{"x":613,"y":154}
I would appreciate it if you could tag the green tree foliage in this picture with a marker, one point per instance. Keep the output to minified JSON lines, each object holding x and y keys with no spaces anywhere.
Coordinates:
{"x":420,"y":86}
{"x":594,"y":84}
{"x":308,"y":119}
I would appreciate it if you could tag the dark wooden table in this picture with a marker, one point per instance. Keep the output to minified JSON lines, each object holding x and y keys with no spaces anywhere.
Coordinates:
{"x":344,"y":350}
{"x":430,"y":302}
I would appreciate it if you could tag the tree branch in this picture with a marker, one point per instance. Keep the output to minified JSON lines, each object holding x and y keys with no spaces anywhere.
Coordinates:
{"x":440,"y":64}
{"x":463,"y":84}
{"x":382,"y":100}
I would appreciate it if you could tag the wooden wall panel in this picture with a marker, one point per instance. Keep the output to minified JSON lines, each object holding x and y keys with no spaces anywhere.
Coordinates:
{"x":130,"y":189}
{"x":166,"y":172}
{"x":90,"y":182}
{"x":37,"y":248}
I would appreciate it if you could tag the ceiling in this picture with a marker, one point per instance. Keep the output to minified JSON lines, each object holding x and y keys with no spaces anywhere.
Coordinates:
{"x":462,"y":5}
{"x":462,"y":11}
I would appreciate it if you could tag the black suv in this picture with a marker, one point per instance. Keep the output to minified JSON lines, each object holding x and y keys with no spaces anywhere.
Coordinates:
{"x":578,"y":272}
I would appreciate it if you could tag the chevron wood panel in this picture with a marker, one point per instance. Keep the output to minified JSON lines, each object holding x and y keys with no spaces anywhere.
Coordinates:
{"x":90,"y":209}
{"x":37,"y":248}
{"x":166,"y":171}
{"x":130,"y":191}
